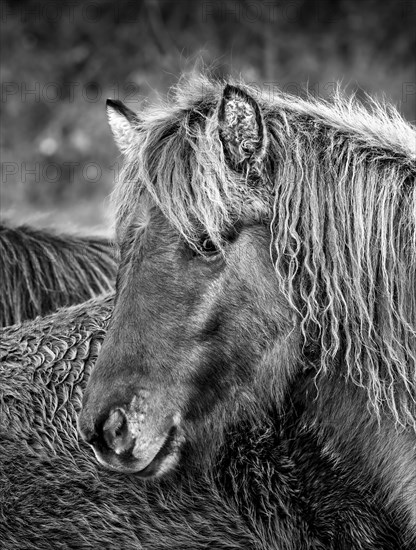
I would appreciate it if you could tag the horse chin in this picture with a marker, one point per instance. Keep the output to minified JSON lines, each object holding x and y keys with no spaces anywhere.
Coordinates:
{"x":164,"y":460}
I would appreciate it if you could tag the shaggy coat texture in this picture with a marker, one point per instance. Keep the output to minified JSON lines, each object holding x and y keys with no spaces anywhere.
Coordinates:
{"x":324,"y":195}
{"x":41,"y":271}
{"x":272,"y":486}
{"x":335,"y":183}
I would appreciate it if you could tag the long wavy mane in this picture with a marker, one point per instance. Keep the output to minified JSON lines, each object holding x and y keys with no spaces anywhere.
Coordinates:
{"x":338,"y":192}
{"x":41,"y":271}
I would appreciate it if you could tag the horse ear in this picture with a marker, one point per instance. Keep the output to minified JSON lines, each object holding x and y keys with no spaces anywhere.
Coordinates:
{"x":242,"y":128}
{"x":122,"y":122}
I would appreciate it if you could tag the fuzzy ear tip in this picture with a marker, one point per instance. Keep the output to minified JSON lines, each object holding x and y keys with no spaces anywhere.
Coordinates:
{"x":113,"y":104}
{"x":231,"y":90}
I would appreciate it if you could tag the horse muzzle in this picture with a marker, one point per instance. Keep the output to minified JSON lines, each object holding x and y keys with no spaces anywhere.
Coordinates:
{"x":131,"y":440}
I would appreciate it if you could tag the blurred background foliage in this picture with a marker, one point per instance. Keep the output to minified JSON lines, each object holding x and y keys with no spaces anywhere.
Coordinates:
{"x":61,"y":60}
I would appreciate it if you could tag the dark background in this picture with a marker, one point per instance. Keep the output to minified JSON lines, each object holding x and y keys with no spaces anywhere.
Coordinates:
{"x":60,"y":60}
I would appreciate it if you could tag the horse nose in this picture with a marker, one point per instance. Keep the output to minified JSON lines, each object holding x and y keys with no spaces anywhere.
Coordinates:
{"x":134,"y":437}
{"x":113,"y":432}
{"x":116,"y":432}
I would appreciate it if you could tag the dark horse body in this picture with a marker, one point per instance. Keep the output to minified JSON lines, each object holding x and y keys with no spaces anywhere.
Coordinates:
{"x":268,"y":262}
{"x":41,"y":271}
{"x":271,"y":485}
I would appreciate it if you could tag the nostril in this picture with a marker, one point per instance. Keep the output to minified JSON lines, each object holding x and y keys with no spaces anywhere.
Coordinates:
{"x":116,"y":432}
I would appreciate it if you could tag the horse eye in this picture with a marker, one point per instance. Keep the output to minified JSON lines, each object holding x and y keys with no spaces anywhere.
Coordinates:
{"x":207,"y":246}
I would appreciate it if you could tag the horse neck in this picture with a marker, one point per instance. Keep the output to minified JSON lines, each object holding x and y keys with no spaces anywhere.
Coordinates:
{"x":277,"y":468}
{"x":375,"y":450}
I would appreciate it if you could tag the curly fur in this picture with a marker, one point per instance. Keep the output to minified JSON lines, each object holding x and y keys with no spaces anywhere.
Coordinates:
{"x":273,"y":485}
{"x":41,"y":271}
{"x":338,"y":192}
